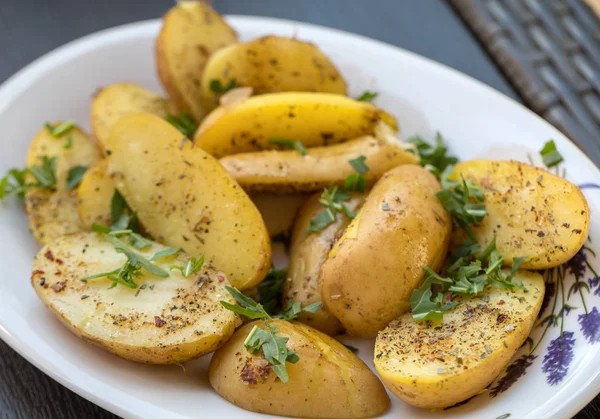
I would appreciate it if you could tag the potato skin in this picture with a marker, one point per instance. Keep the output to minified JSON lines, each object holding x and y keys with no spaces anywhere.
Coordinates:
{"x":53,"y":213}
{"x":531,"y":212}
{"x":436,"y":365}
{"x":185,"y":198}
{"x":328,"y":381}
{"x":413,"y":232}
{"x":271,"y":64}
{"x":307,"y":254}
{"x":286,"y":171}
{"x":146,"y":325}
{"x":278,"y":211}
{"x":116,"y":100}
{"x":94,"y":196}
{"x":191,"y":32}
{"x":314,"y":119}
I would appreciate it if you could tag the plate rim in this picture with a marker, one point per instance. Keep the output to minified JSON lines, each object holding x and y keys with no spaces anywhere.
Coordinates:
{"x":13,"y":86}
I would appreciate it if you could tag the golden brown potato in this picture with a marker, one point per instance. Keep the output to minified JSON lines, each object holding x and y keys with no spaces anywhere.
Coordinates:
{"x":531,"y":212}
{"x":150,"y":324}
{"x":314,"y":119}
{"x":285,"y":171}
{"x":307,"y":254}
{"x":185,"y":198}
{"x":271,"y":64}
{"x":436,"y":365}
{"x":278,"y":211}
{"x":371,"y":271}
{"x":191,"y":32}
{"x":94,"y":196}
{"x":328,"y":381}
{"x":53,"y":212}
{"x":116,"y":100}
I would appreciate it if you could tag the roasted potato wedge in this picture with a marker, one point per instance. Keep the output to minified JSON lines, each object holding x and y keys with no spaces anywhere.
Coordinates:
{"x":94,"y":196}
{"x":287,"y":171}
{"x":436,"y":365}
{"x":271,"y":64}
{"x":328,"y":381}
{"x":114,"y":101}
{"x":278,"y":211}
{"x":151,"y":324}
{"x":314,"y":119}
{"x":190,"y":33}
{"x":185,"y":198}
{"x":403,"y":227}
{"x":53,"y":213}
{"x":531,"y":212}
{"x":307,"y":254}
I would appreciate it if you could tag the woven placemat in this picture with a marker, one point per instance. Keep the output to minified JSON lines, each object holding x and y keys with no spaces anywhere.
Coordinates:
{"x":550,"y":51}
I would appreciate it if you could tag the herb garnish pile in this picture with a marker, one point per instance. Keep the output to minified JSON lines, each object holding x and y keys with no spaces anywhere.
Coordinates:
{"x":184,"y":123}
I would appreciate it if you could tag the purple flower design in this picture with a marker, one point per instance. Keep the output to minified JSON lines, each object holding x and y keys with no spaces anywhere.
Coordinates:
{"x":514,"y":371}
{"x":549,"y":294}
{"x":557,"y":360}
{"x":590,"y":325}
{"x":577,"y":264}
{"x":593,"y":283}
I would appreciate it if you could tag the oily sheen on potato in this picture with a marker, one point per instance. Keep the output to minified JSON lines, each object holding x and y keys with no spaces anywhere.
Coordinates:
{"x":281,"y":171}
{"x":371,"y":271}
{"x":190,"y":33}
{"x":164,"y":321}
{"x":53,"y":212}
{"x":271,"y":64}
{"x":307,"y":254}
{"x":186,"y":199}
{"x":531,"y":212}
{"x":94,"y":196}
{"x":328,"y":381}
{"x":314,"y":119}
{"x":436,"y":365}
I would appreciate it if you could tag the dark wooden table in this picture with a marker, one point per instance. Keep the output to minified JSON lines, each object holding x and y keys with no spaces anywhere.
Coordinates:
{"x":30,"y":28}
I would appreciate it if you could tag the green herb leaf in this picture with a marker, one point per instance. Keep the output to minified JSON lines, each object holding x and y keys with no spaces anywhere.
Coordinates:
{"x":433,"y":158}
{"x":192,"y":265}
{"x":61,"y":129}
{"x":217,"y":87}
{"x":184,"y":123}
{"x":289,"y":144}
{"x":367,"y":96}
{"x":69,"y":143}
{"x":166,"y":253}
{"x":46,"y":173}
{"x":322,"y":220}
{"x":359,"y":164}
{"x":355,"y":182}
{"x":270,"y":290}
{"x":75,"y":176}
{"x":245,"y":306}
{"x":550,"y":154}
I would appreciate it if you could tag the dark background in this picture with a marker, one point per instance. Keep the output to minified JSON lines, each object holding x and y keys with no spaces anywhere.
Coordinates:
{"x":30,"y":28}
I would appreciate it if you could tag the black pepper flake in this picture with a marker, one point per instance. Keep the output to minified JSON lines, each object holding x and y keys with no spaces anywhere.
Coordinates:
{"x":83,"y":297}
{"x":541,"y":234}
{"x":43,"y":282}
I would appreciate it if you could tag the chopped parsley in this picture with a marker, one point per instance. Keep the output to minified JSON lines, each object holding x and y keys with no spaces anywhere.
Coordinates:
{"x":46,"y":173}
{"x":289,"y":144}
{"x":217,"y":87}
{"x":75,"y":176}
{"x":60,"y":129}
{"x":270,"y":290}
{"x":14,"y":183}
{"x":359,"y":164}
{"x":550,"y":154}
{"x":433,"y":158}
{"x":192,"y":265}
{"x":184,"y":123}
{"x":367,"y":96}
{"x":274,"y":348}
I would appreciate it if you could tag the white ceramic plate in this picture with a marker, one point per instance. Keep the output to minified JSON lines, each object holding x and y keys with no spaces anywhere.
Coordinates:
{"x":425,"y":96}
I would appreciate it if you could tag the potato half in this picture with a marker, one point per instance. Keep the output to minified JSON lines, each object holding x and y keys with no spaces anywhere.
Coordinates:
{"x":271,"y":64}
{"x":285,"y":171}
{"x":190,"y":33}
{"x":53,"y":213}
{"x":114,"y":101}
{"x":371,"y":271}
{"x":94,"y":196}
{"x":328,"y":381}
{"x":314,"y":119}
{"x":164,"y":321}
{"x":186,"y":199}
{"x":531,"y":212}
{"x":307,"y":254}
{"x":436,"y":365}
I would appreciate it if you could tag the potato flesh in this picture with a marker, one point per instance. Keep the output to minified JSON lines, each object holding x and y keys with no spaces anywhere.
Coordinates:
{"x":164,"y":321}
{"x":185,"y":198}
{"x":328,"y":381}
{"x":191,"y":32}
{"x":114,"y":101}
{"x":278,"y":211}
{"x":53,"y":213}
{"x":94,"y":196}
{"x":279,"y":171}
{"x":307,"y":254}
{"x":371,"y":271}
{"x":271,"y":64}
{"x":436,"y":365}
{"x":314,"y":119}
{"x":531,"y":212}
